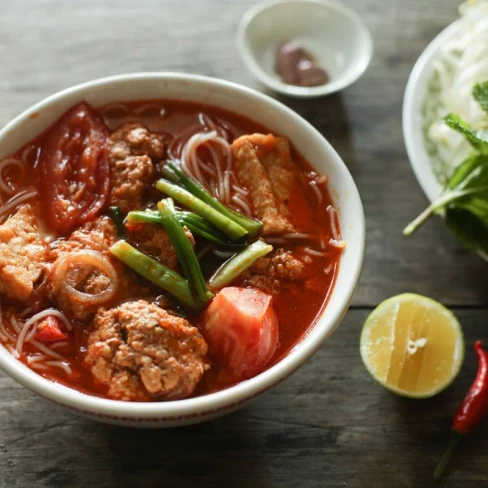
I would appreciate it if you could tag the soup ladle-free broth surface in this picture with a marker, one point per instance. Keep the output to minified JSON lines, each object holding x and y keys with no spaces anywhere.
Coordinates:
{"x":314,"y":240}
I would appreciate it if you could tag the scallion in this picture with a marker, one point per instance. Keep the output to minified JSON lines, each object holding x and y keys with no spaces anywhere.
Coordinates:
{"x":154,"y":271}
{"x":186,"y":255}
{"x":232,"y":268}
{"x":118,"y":219}
{"x":196,"y":224}
{"x":185,"y":198}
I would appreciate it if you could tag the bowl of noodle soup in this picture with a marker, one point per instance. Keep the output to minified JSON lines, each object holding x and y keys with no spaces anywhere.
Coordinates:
{"x":117,"y":97}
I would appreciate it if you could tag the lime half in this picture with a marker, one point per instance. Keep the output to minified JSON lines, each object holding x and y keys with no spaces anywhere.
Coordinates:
{"x":412,"y":345}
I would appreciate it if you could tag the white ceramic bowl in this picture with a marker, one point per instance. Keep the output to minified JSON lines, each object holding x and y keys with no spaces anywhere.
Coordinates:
{"x":413,"y":101}
{"x":280,"y":120}
{"x":333,"y":33}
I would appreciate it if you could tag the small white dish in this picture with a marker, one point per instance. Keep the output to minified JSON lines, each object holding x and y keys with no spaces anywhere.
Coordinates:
{"x":334,"y":34}
{"x":279,"y":119}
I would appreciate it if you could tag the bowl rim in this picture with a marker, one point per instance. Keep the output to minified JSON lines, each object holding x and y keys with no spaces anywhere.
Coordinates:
{"x":275,"y":84}
{"x":234,"y":395}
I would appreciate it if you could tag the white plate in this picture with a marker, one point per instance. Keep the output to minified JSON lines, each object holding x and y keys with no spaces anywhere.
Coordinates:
{"x":412,"y":112}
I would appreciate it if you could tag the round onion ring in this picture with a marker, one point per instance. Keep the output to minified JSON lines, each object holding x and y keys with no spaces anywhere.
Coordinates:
{"x":92,"y":259}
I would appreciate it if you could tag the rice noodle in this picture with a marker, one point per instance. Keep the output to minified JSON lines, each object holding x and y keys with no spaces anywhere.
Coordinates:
{"x":223,"y":254}
{"x":333,"y":226}
{"x":25,"y":312}
{"x":40,"y":366}
{"x":461,"y":63}
{"x":12,"y":351}
{"x":5,"y":334}
{"x":238,"y":189}
{"x":211,"y":171}
{"x":60,"y":364}
{"x":5,"y":186}
{"x":313,"y":252}
{"x":15,"y":324}
{"x":329,"y":268}
{"x":16,"y":200}
{"x":218,"y":169}
{"x":204,"y":251}
{"x":37,"y":357}
{"x":322,"y":179}
{"x":57,"y":345}
{"x":46,"y":350}
{"x":238,"y":200}
{"x":338,"y":244}
{"x":316,"y":189}
{"x":207,"y":121}
{"x":176,"y":145}
{"x":336,"y":240}
{"x":189,"y":155}
{"x":31,"y":334}
{"x":150,"y":106}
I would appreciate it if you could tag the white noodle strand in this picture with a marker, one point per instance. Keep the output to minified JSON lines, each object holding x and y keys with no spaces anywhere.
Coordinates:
{"x":329,"y":268}
{"x":39,"y":366}
{"x":46,"y":350}
{"x":238,"y":200}
{"x":4,"y":186}
{"x":223,"y":254}
{"x":317,"y":191}
{"x":313,"y":252}
{"x":36,"y":358}
{"x":16,"y":200}
{"x":461,"y":63}
{"x":62,"y":365}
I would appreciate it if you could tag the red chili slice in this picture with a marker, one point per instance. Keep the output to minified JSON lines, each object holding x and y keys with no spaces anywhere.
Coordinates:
{"x":75,"y":169}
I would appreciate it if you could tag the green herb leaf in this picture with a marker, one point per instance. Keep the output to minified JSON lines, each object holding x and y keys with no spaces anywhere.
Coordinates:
{"x":470,"y":180}
{"x":480,"y":94}
{"x":468,"y":228}
{"x":467,"y":190}
{"x":477,"y":138}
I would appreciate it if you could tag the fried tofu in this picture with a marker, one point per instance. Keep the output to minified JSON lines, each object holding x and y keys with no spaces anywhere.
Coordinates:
{"x":263,"y":165}
{"x":22,"y":255}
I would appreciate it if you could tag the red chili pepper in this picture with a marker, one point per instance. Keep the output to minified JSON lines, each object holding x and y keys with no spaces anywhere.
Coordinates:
{"x":471,"y":411}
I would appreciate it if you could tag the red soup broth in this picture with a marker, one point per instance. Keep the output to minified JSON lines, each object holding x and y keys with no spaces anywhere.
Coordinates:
{"x":298,"y":306}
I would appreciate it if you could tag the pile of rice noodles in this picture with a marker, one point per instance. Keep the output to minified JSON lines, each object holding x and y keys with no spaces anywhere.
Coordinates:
{"x":463,"y":62}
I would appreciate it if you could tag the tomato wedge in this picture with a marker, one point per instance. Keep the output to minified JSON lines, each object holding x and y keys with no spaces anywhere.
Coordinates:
{"x":50,"y":329}
{"x":75,"y":169}
{"x":241,"y":329}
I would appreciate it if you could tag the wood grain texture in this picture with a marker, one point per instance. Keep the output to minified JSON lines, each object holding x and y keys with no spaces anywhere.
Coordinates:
{"x":329,"y":425}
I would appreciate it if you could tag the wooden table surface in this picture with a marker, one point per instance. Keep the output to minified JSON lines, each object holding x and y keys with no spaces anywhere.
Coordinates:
{"x":329,"y":425}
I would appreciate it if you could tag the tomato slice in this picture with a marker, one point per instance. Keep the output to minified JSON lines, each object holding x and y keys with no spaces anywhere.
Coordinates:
{"x":241,"y":329}
{"x":75,"y":169}
{"x":50,"y":329}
